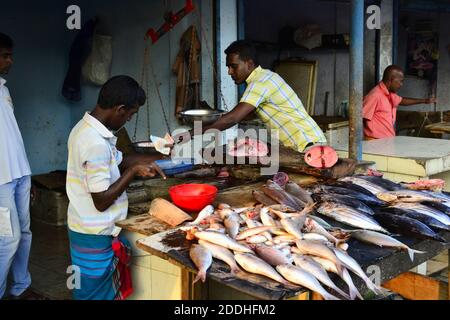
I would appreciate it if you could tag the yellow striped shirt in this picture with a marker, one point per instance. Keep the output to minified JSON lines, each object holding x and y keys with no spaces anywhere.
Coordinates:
{"x":280,"y":109}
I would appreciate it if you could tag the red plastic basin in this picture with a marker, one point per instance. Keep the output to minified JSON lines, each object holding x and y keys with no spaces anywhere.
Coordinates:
{"x":192,"y":197}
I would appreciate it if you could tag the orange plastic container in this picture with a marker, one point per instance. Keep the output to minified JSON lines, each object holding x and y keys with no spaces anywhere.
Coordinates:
{"x":193,"y":197}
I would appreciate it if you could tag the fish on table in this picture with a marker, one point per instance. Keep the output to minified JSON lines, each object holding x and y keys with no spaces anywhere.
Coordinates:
{"x":202,"y":258}
{"x":302,"y":277}
{"x":349,"y":216}
{"x":383,"y":240}
{"x":366,"y":198}
{"x":406,"y":196}
{"x":368,"y":185}
{"x":399,"y":224}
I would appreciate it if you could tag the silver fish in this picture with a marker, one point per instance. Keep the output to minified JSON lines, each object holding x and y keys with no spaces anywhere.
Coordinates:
{"x":293,"y":226}
{"x":318,"y":249}
{"x":255,"y":239}
{"x":252,"y":231}
{"x":271,"y":255}
{"x":406,"y":196}
{"x":254,"y":223}
{"x":253,"y":264}
{"x":349,"y":216}
{"x":352,"y":265}
{"x":222,"y":254}
{"x":314,"y":227}
{"x":266,"y":219}
{"x":314,"y":237}
{"x":206,"y":212}
{"x":202,"y":259}
{"x":223,"y":213}
{"x":301,"y":277}
{"x":369,"y":186}
{"x":320,"y":221}
{"x":232,"y":224}
{"x":318,"y":272}
{"x":297,"y":191}
{"x":331,"y":267}
{"x":284,"y":239}
{"x":222,"y":240}
{"x":438,"y":215}
{"x":382,"y":240}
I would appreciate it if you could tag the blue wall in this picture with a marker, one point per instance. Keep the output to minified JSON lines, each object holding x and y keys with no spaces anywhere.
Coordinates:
{"x":41,"y":59}
{"x":36,"y":77}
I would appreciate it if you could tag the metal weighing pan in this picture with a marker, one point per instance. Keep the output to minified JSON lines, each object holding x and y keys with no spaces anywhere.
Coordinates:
{"x":206,"y":116}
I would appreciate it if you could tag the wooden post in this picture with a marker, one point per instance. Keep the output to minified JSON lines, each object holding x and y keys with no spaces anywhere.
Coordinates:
{"x":186,"y":287}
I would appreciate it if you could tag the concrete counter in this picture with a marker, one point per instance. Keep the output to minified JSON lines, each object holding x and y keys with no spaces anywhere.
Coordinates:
{"x":405,"y":158}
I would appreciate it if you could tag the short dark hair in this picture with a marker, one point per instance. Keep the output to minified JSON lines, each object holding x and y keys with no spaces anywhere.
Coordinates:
{"x":121,"y":90}
{"x":245,"y":49}
{"x":387,"y":74}
{"x":6,"y":42}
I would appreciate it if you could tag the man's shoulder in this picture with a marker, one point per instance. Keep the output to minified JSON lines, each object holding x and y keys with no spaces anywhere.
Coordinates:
{"x":84,"y":136}
{"x":375,"y":94}
{"x":264,"y":75}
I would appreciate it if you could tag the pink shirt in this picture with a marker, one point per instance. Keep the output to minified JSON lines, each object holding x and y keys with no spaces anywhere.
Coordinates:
{"x":380,"y":111}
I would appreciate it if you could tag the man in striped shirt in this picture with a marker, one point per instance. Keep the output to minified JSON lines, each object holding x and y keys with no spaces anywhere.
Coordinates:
{"x":270,"y":97}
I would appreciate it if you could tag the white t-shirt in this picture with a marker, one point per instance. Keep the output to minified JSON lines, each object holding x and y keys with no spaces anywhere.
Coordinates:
{"x":13,"y":158}
{"x":92,"y":167}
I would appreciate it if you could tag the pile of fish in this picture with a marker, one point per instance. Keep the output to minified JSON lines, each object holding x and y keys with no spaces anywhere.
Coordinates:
{"x":285,"y":239}
{"x":417,"y":213}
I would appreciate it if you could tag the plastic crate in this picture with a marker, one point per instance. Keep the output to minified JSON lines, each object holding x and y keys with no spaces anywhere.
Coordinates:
{"x":172,"y":167}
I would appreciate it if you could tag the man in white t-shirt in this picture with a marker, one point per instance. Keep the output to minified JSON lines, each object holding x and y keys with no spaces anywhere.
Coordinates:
{"x":97,"y":178}
{"x":15,"y":186}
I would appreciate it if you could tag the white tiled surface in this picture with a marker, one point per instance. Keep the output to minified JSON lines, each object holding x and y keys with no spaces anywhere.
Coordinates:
{"x":403,"y":147}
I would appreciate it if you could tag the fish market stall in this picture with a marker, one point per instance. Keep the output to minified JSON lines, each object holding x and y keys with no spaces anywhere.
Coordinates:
{"x":275,"y":239}
{"x":404,"y":158}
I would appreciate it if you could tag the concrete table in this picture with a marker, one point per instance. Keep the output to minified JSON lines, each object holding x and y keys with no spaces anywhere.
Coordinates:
{"x":405,"y":158}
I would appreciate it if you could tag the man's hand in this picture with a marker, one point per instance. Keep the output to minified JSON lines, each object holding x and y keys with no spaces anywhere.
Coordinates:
{"x":33,"y":193}
{"x":431,"y":100}
{"x":148,"y":170}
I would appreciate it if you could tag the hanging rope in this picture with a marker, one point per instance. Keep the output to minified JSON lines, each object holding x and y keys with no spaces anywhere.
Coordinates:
{"x":213,"y":64}
{"x":159,"y":95}
{"x":423,"y":123}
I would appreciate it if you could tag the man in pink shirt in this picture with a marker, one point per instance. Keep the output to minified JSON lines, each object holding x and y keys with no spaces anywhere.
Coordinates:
{"x":380,"y":105}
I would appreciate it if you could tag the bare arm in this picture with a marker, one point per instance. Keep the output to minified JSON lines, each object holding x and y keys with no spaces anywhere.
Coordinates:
{"x":134,"y":159}
{"x":239,"y":113}
{"x":103,"y":200}
{"x":233,"y":117}
{"x":412,"y":101}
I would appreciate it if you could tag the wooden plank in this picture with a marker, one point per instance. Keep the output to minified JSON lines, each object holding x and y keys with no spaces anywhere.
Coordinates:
{"x":440,"y":127}
{"x":316,"y":296}
{"x":338,"y":125}
{"x":186,"y":287}
{"x":414,"y":286}
{"x":144,"y":224}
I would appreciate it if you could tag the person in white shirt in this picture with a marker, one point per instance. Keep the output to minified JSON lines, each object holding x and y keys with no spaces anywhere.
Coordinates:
{"x":96,"y":190}
{"x":15,"y":186}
